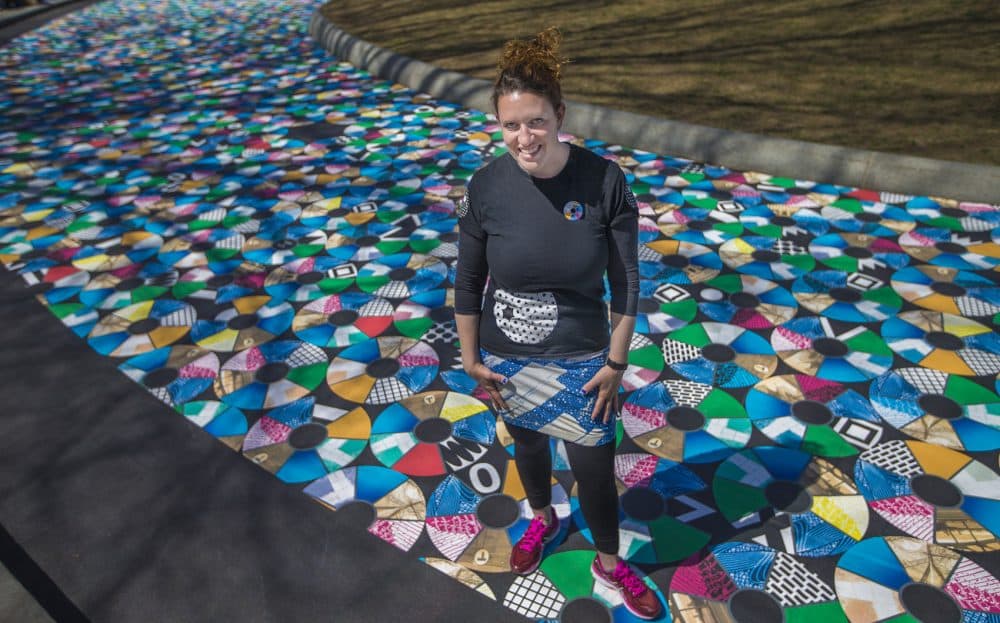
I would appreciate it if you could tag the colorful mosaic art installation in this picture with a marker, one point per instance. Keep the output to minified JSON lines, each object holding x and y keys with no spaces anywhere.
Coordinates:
{"x":265,"y":238}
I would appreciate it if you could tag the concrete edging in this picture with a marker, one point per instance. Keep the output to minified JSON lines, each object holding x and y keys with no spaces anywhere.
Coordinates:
{"x":13,"y":16}
{"x":738,"y":150}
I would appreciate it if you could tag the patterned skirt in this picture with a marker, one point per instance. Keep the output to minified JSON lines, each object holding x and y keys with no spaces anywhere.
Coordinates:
{"x":546,"y":395}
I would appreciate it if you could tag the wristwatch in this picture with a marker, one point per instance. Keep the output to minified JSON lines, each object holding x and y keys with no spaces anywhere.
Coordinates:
{"x":614,"y":365}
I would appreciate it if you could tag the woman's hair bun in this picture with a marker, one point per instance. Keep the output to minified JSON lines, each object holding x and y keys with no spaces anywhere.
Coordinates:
{"x":534,"y":60}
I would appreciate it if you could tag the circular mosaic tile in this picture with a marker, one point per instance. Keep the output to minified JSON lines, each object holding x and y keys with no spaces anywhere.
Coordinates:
{"x":686,"y":422}
{"x":766,"y":257}
{"x":807,"y":497}
{"x":944,"y":342}
{"x":815,"y":347}
{"x":647,"y":532}
{"x":940,"y":408}
{"x":242,"y":323}
{"x":341,"y":320}
{"x":948,"y":290}
{"x":398,"y":503}
{"x":382,"y":370}
{"x":939,"y":495}
{"x":478,"y":530}
{"x":814,"y":415}
{"x":433,"y":433}
{"x":747,"y":301}
{"x":302,"y":440}
{"x":141,"y":327}
{"x":750,"y":582}
{"x":900,"y":578}
{"x":719,"y":354}
{"x":271,"y":374}
{"x":175,"y":374}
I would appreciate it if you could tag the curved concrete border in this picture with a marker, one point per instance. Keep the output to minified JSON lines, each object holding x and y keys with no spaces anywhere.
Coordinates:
{"x":15,"y":15}
{"x":737,"y":150}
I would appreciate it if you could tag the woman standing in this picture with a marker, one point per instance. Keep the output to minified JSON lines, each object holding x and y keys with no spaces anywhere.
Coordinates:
{"x":539,"y":228}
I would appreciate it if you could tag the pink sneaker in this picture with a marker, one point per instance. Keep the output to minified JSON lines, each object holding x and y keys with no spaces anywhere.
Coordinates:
{"x":639,"y":600}
{"x":527,"y":553}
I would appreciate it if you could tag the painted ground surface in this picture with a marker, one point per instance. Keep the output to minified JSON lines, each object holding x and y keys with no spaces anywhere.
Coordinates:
{"x":264,"y":238}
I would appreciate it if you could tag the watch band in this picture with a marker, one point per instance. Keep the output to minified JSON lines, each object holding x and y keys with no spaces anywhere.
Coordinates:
{"x":614,"y":365}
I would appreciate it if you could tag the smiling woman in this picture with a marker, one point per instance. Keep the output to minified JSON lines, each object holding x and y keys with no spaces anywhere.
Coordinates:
{"x":538,"y":340}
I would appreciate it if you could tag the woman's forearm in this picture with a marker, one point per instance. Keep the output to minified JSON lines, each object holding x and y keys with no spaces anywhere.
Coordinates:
{"x":622,"y":327}
{"x":468,"y":338}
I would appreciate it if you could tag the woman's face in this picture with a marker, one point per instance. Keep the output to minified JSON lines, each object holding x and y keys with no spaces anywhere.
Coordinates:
{"x":531,"y":132}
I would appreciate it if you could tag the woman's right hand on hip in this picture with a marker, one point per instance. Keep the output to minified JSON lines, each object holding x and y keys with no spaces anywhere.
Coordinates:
{"x":490,"y":381}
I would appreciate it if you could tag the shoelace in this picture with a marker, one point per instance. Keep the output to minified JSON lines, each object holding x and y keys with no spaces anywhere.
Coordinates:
{"x":533,"y":535}
{"x":624,"y":574}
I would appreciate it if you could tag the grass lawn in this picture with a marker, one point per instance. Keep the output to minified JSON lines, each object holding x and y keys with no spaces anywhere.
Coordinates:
{"x":916,"y":77}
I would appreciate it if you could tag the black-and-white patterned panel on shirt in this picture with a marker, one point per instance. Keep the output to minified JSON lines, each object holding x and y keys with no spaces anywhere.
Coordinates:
{"x":525,"y":317}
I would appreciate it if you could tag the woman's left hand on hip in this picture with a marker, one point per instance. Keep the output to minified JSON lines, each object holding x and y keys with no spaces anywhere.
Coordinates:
{"x":606,"y":383}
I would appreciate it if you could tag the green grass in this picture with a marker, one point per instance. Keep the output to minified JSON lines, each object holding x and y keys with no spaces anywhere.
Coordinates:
{"x":916,"y":77}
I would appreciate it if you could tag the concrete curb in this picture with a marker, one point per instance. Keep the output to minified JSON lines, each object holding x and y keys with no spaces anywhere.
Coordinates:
{"x":738,"y":150}
{"x":16,"y":15}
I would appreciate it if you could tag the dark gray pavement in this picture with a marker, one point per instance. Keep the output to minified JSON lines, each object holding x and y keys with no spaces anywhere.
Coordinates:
{"x":130,"y":513}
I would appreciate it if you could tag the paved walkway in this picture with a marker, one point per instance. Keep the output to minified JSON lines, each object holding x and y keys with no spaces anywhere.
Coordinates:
{"x":262,"y":237}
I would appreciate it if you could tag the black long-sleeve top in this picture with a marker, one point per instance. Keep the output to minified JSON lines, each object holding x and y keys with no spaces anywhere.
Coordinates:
{"x":546,"y":245}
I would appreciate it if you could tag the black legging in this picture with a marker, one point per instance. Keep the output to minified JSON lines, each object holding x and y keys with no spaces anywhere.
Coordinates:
{"x":594,"y":470}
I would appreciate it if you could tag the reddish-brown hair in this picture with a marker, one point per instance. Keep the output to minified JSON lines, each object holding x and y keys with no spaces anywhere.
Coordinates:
{"x":533,"y":66}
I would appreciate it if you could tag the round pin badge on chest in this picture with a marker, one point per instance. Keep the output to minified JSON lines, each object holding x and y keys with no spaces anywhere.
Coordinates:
{"x":573,"y":210}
